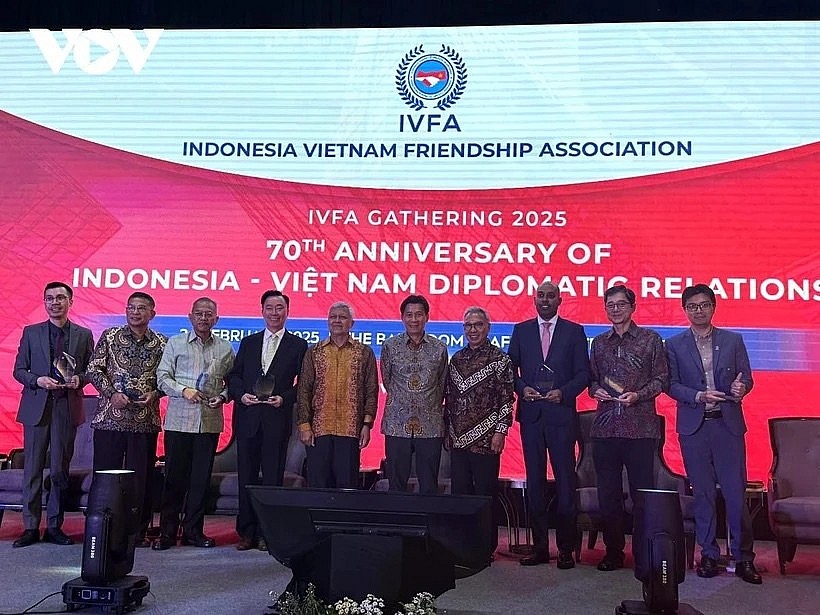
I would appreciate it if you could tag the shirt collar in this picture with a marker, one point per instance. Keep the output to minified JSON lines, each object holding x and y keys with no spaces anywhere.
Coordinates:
{"x":553,"y":321}
{"x":632,"y":331}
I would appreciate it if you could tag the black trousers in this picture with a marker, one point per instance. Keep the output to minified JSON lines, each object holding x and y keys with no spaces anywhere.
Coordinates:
{"x":610,"y":456}
{"x":127,"y":450}
{"x":399,"y":452}
{"x":333,"y":461}
{"x":474,"y":473}
{"x":189,"y":460}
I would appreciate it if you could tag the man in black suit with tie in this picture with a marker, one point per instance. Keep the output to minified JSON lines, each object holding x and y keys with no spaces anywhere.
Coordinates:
{"x":262,"y":427}
{"x":51,"y":407}
{"x":548,"y":418}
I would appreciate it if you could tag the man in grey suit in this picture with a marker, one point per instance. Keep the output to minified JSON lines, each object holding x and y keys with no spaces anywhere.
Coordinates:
{"x":51,"y":407}
{"x":709,"y":374}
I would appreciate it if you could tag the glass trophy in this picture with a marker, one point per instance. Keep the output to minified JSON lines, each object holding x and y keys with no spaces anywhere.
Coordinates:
{"x":65,"y":366}
{"x":544,"y":379}
{"x":263,"y":387}
{"x":124,"y":386}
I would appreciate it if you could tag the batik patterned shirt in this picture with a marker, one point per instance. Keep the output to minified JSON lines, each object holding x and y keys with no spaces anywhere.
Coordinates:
{"x":414,"y":376}
{"x":480,"y":395}
{"x":338,"y":388}
{"x":634,"y":361}
{"x":121,"y":363}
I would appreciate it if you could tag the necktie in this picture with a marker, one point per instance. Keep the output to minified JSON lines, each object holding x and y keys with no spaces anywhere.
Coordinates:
{"x":545,"y":339}
{"x":269,"y":351}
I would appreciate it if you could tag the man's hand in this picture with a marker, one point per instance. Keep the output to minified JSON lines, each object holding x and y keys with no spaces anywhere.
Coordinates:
{"x":628,"y":398}
{"x":530,"y":394}
{"x":738,"y":388}
{"x":47,"y":382}
{"x":249,"y":399}
{"x":555,"y":396}
{"x":306,"y":436}
{"x":119,"y":400}
{"x":364,"y":436}
{"x":601,"y":395}
{"x":192,"y":395}
{"x":74,"y":383}
{"x":714,"y":397}
{"x":148,"y":398}
{"x":275,"y":400}
{"x":215,"y":402}
{"x":497,"y":444}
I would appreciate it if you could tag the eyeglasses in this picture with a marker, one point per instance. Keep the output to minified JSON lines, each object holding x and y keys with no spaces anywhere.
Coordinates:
{"x":203,"y":315}
{"x":474,"y":326}
{"x":619,"y":305}
{"x":56,"y":299}
{"x":137,"y":309}
{"x":699,"y":307}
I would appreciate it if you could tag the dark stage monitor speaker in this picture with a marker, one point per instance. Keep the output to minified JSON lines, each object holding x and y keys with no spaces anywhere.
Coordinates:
{"x":393,"y":545}
{"x":111,"y":526}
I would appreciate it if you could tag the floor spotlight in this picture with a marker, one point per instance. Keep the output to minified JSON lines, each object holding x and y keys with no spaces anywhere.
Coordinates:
{"x":660,"y":558}
{"x":111,"y":527}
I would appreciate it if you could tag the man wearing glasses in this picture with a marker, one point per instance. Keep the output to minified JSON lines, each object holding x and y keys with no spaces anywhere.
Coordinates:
{"x":546,"y":411}
{"x":51,"y":407}
{"x":124,"y":370}
{"x":709,"y":374}
{"x":629,"y":371}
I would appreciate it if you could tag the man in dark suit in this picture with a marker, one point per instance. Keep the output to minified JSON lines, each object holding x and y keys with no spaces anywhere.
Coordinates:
{"x":263,"y":421}
{"x":709,"y":374}
{"x":546,"y":412}
{"x":51,"y":407}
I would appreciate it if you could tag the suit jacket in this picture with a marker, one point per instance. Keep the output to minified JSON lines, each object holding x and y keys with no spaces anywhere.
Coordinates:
{"x":247,"y":368}
{"x":687,"y":378}
{"x":34,"y":360}
{"x":568,"y":358}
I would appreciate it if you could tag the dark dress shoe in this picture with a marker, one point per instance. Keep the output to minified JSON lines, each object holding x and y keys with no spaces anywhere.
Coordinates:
{"x":610,"y":563}
{"x":565,"y":561}
{"x":748,"y":572}
{"x":246,"y":544}
{"x":261,"y":544}
{"x":163,"y":543}
{"x":27,"y":538}
{"x":539,"y":557}
{"x":56,"y":536}
{"x":708,"y":568}
{"x":202,"y":541}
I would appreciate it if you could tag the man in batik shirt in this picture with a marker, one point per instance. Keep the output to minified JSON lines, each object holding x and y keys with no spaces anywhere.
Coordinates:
{"x":480,"y":390}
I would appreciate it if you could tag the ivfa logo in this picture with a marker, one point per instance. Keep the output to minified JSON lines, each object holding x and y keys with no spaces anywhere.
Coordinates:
{"x":80,"y":42}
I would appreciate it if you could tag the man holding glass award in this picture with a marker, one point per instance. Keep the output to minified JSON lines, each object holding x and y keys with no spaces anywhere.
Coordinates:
{"x":50,"y":364}
{"x":549,"y":356}
{"x":123,"y":368}
{"x":709,"y":375}
{"x":262,"y":384}
{"x":629,"y":371}
{"x":192,"y":373}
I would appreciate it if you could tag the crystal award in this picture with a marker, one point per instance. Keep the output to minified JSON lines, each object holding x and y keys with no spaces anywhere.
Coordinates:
{"x":544,"y":379}
{"x":65,"y":366}
{"x":263,"y":387}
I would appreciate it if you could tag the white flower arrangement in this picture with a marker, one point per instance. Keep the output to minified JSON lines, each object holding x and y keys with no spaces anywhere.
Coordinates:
{"x":310,"y":604}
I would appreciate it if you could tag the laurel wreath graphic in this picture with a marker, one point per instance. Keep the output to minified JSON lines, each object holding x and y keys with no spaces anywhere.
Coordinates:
{"x":460,"y":76}
{"x":416,"y":103}
{"x":401,"y":79}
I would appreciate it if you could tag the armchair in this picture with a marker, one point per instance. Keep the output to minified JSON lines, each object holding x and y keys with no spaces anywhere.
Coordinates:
{"x":794,"y":484}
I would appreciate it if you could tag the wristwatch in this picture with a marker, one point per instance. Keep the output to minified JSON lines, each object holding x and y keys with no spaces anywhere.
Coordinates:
{"x":368,"y":424}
